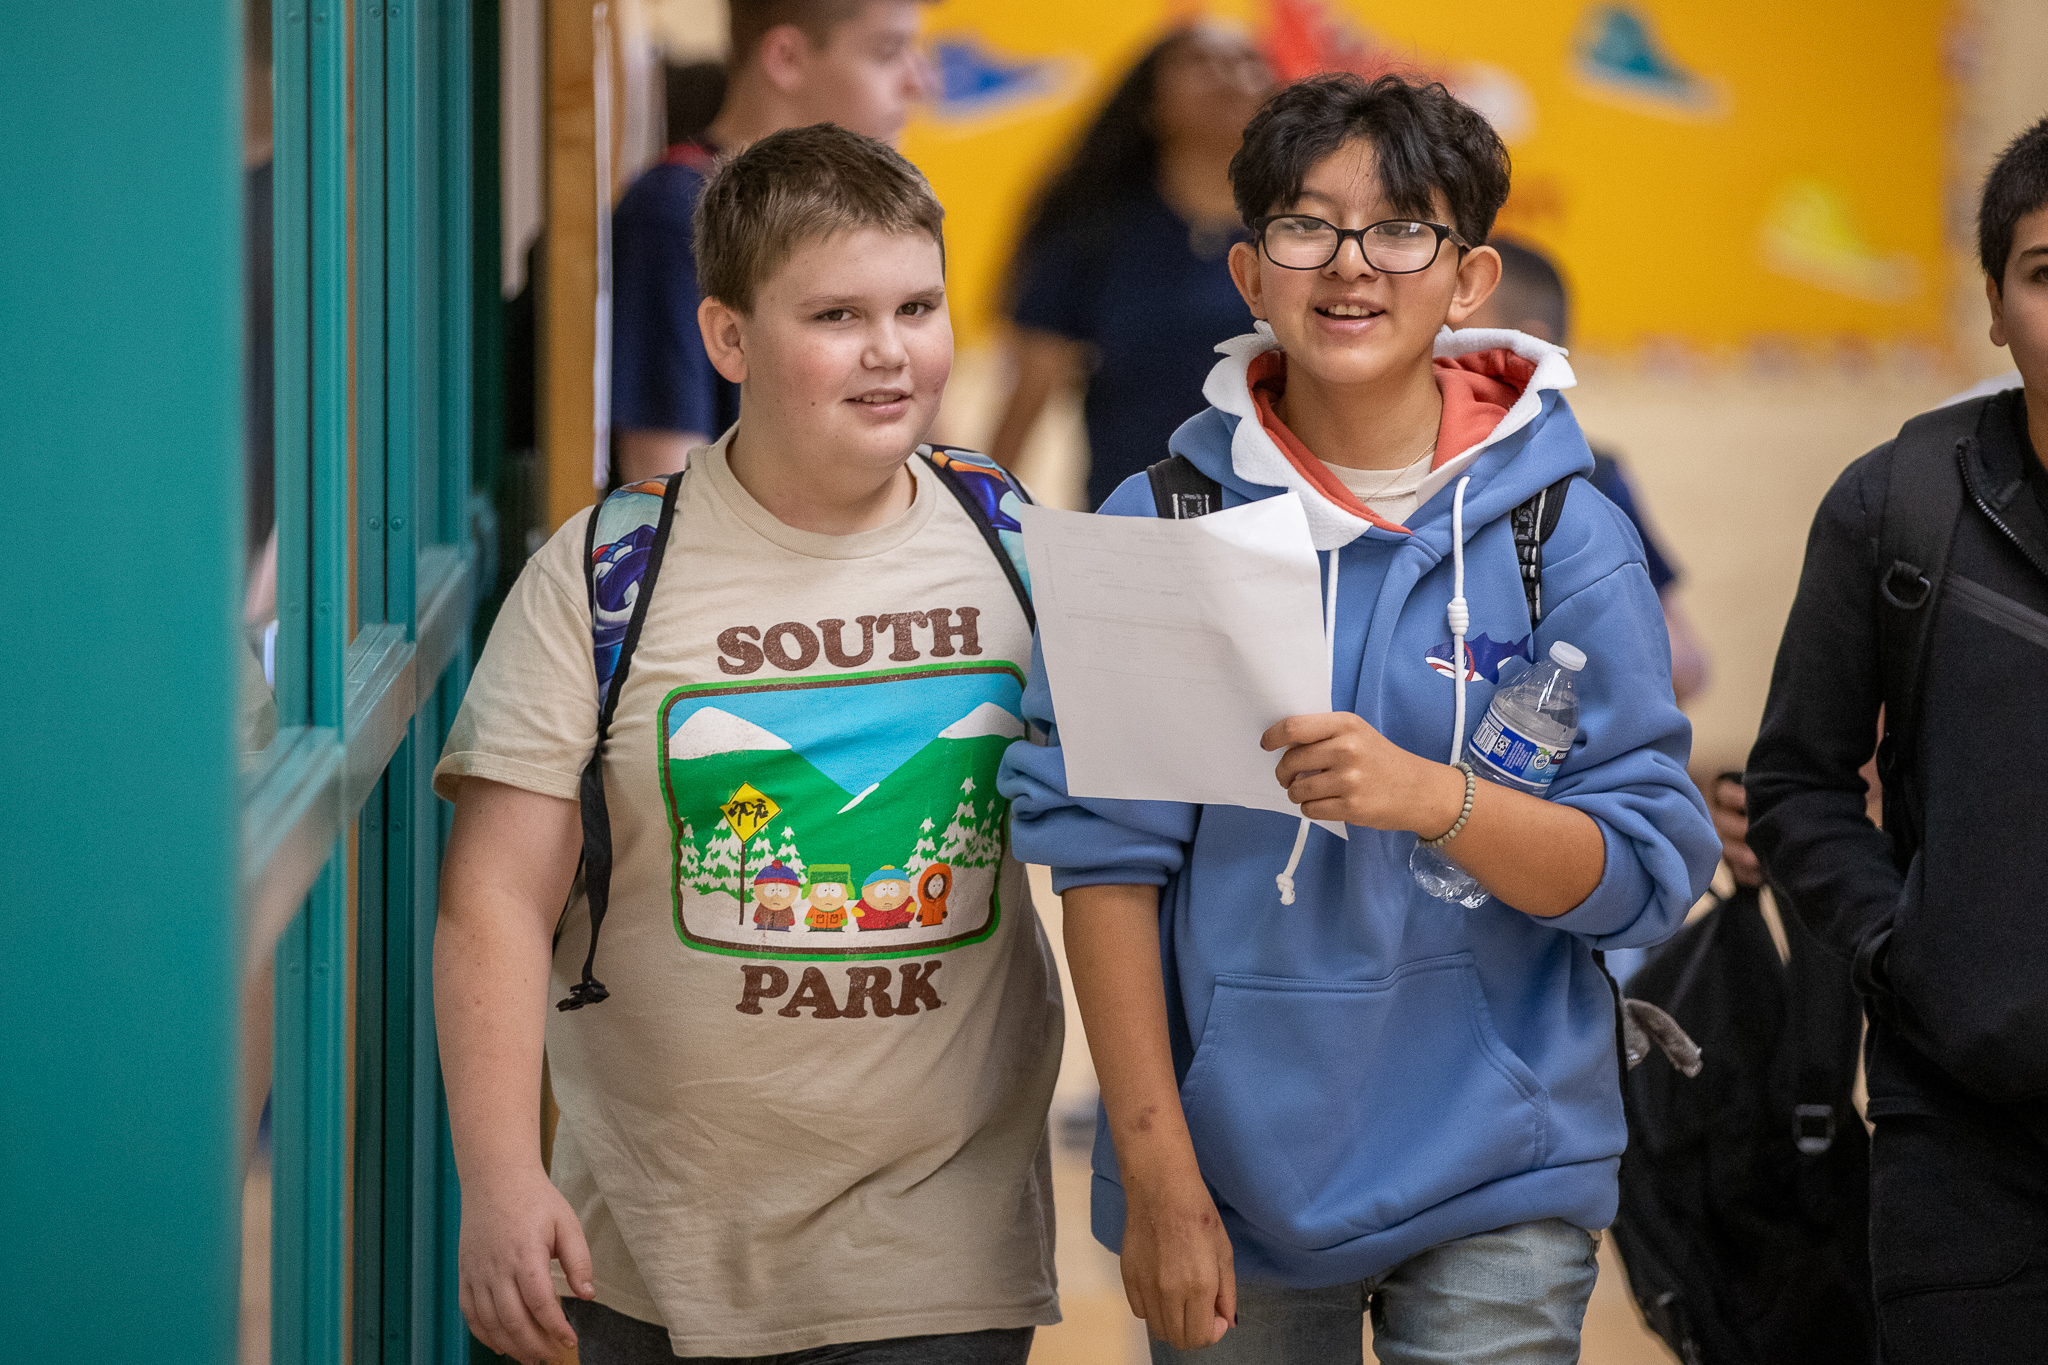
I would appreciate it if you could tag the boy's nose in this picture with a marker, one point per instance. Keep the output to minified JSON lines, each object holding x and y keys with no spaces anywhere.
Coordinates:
{"x":1350,"y":262}
{"x":886,"y":350}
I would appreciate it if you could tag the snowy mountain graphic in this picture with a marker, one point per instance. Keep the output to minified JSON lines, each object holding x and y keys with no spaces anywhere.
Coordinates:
{"x":712,"y":731}
{"x":985,"y":719}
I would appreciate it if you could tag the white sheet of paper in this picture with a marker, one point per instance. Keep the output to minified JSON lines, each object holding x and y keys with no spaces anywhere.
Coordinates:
{"x":1172,"y":646}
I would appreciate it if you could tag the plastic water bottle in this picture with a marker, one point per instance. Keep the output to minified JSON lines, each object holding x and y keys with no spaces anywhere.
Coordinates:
{"x":1521,"y":741}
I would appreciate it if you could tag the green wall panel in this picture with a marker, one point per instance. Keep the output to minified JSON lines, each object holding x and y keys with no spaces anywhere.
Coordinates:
{"x":120,"y":453}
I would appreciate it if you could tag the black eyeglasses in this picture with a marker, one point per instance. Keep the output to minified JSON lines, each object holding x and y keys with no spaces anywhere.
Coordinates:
{"x":1394,"y":246}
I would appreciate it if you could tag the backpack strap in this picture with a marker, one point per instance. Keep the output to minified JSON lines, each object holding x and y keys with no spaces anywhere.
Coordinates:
{"x":1923,"y":498}
{"x":623,"y":544}
{"x":1180,"y":491}
{"x":1533,"y":520}
{"x":982,"y":486}
{"x":1824,"y":1033}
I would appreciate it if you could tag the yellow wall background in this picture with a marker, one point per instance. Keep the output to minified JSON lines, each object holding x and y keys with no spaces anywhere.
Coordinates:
{"x":1787,"y":184}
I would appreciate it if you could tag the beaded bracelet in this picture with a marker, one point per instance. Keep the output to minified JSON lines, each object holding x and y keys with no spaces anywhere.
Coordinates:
{"x":1471,"y":785}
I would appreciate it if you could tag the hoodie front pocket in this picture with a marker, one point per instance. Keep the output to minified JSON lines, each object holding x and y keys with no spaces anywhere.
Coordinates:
{"x":1323,"y":1111}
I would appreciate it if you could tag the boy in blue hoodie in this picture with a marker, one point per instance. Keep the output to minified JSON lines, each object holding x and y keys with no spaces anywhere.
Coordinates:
{"x":1369,"y":1099}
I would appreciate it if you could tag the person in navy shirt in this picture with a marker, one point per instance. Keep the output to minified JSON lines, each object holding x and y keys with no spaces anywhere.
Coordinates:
{"x":1119,"y":280}
{"x":793,"y":63}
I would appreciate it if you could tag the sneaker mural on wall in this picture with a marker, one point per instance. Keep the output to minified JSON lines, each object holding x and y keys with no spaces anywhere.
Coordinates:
{"x":1809,"y":233}
{"x":1303,"y":37}
{"x":976,"y":81}
{"x":1621,"y":57}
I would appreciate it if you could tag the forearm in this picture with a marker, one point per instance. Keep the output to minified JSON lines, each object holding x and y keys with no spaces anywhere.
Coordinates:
{"x":1043,"y":363}
{"x":1538,"y":856}
{"x":510,"y":857}
{"x":490,"y":1004}
{"x":1112,"y":940}
{"x":1819,"y":848}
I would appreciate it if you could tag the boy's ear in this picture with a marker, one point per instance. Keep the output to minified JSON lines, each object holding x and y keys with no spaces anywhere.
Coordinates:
{"x":1478,"y":277}
{"x":1245,"y":268}
{"x":1995,"y":296}
{"x":724,"y":339}
{"x":784,"y":57}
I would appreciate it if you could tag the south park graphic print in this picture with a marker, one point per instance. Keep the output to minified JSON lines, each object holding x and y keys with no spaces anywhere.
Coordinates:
{"x":853,"y":816}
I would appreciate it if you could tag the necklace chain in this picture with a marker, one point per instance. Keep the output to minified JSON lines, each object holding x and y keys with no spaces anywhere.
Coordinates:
{"x":1368,"y":497}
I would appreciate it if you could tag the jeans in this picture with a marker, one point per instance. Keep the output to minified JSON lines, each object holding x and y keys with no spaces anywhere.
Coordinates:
{"x":1517,"y":1294}
{"x":605,"y":1336}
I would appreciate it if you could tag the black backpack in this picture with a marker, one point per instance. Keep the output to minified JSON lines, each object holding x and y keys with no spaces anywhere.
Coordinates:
{"x":1744,"y":1219}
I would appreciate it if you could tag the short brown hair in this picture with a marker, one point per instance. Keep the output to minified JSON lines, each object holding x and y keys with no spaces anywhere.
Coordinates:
{"x":800,"y":183}
{"x":750,"y":21}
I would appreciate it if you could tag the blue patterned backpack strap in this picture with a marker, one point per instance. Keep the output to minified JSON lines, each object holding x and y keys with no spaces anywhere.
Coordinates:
{"x":990,"y":494}
{"x":622,"y":548}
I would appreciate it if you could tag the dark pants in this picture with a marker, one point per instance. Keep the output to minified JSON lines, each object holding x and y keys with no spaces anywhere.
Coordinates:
{"x":605,"y":1336}
{"x":1958,"y":1216}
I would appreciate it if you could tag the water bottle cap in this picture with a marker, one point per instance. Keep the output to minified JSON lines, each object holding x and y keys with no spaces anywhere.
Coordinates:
{"x":1568,"y":657}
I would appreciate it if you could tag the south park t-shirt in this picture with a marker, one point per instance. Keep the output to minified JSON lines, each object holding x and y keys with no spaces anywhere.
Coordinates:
{"x":813,"y":1109}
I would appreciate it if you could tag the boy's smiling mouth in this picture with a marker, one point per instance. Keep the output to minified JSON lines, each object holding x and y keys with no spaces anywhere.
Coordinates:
{"x":1349,"y":310}
{"x":880,"y":397}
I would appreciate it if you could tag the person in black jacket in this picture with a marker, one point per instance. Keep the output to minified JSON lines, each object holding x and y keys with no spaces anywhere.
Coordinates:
{"x":1925,"y":593}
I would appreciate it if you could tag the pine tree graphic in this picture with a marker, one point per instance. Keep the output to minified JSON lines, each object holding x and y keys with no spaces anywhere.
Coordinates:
{"x":687,"y":856}
{"x":787,"y":854}
{"x":720,"y":866}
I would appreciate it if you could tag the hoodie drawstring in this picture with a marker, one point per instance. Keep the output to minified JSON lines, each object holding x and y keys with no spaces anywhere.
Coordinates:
{"x":1460,"y":619}
{"x":1285,"y":881}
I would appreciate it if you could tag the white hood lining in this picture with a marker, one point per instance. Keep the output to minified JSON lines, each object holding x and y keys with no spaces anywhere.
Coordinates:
{"x":1256,"y":459}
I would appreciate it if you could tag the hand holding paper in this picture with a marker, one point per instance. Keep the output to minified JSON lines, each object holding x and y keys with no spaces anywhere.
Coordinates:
{"x":1173,"y":645}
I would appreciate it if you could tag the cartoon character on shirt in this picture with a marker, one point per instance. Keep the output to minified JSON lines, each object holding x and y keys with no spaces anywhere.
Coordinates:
{"x":775,"y":896}
{"x":932,"y":885}
{"x":827,"y":893}
{"x":884,"y":900}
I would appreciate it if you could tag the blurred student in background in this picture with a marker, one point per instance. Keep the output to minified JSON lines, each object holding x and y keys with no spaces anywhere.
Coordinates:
{"x":1119,"y":281}
{"x":1532,"y":298}
{"x":793,"y":63}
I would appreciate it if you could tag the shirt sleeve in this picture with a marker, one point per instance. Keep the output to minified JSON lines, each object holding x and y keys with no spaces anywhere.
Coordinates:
{"x":662,"y":377}
{"x":1054,"y":291}
{"x":1629,"y":773}
{"x":1608,"y":478}
{"x":529,"y":718}
{"x":1807,"y":814}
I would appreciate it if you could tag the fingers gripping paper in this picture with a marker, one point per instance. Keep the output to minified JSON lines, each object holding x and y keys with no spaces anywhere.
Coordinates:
{"x":1172,"y":646}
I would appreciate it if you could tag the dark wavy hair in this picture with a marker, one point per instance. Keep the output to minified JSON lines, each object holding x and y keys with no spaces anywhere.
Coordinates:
{"x":2016,"y":186}
{"x":1424,"y":141}
{"x":1115,"y":160}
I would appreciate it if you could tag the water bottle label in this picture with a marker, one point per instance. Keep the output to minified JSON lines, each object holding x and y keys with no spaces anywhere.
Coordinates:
{"x":1509,"y":752}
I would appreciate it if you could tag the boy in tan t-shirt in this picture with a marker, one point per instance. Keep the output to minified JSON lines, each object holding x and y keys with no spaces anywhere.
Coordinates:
{"x":775,"y":1140}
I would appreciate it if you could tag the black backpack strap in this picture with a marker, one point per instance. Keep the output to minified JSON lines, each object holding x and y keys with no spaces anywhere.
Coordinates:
{"x":1533,"y":521}
{"x":979,"y":484}
{"x":1923,"y":498}
{"x":1180,"y":491}
{"x":596,"y":869}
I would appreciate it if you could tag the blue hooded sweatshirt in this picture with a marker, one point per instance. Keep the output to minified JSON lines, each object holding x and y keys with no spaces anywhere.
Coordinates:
{"x":1370,"y":1072}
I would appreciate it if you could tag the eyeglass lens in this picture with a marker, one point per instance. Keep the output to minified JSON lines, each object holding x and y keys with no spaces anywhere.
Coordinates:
{"x":1397,"y":247}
